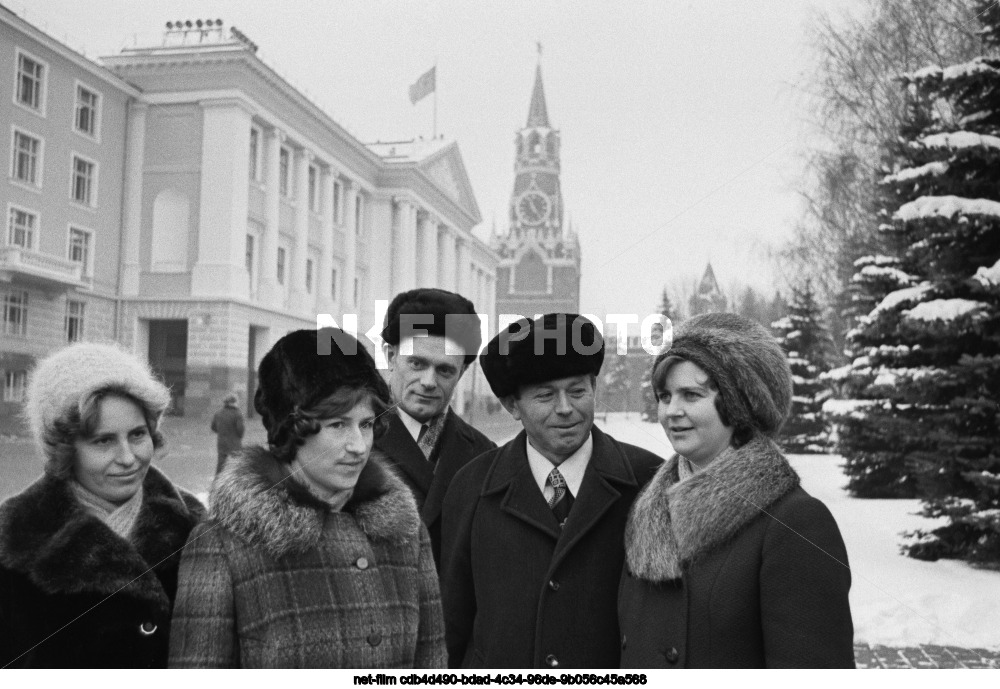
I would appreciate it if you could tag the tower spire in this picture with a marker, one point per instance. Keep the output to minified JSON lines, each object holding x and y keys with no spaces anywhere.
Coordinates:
{"x":538,"y":114}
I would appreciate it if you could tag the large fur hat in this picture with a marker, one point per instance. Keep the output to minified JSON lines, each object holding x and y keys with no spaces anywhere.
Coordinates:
{"x":306,"y":366}
{"x":434,"y":312}
{"x":745,"y":363}
{"x":61,"y":381}
{"x":557,"y":345}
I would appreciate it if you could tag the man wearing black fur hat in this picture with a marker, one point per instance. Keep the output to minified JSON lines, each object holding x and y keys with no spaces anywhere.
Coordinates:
{"x":533,"y":531}
{"x":431,"y":337}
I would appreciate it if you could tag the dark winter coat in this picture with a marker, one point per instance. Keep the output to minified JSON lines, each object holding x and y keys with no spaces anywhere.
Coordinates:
{"x":228,"y":426}
{"x":518,"y":591}
{"x":735,"y":567}
{"x":276,"y":579}
{"x":429,"y":479}
{"x":73,"y":593}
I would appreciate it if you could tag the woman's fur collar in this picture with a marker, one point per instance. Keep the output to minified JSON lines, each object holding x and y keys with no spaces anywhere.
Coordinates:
{"x":673,"y":523}
{"x":48,"y":536}
{"x":257,"y":499}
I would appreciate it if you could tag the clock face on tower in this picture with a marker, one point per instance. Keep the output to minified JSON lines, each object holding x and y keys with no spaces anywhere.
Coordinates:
{"x":533,"y":207}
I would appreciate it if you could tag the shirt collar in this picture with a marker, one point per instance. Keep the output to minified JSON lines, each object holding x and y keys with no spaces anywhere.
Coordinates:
{"x":412,"y":425}
{"x":572,"y":468}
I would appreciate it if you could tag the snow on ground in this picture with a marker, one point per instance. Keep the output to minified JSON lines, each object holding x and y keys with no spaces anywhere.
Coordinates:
{"x":895,"y":600}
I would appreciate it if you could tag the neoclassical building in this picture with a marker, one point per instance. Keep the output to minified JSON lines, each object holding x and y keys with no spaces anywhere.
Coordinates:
{"x":539,"y":270}
{"x":230,"y":210}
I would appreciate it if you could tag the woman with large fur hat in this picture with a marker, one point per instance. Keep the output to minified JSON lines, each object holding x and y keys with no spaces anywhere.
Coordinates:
{"x":314,"y":554}
{"x":89,"y":552}
{"x":729,"y":562}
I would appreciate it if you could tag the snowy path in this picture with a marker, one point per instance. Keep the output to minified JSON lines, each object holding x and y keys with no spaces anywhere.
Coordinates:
{"x":895,"y":600}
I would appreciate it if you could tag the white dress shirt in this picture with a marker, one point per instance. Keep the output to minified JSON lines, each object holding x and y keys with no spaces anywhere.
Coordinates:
{"x":572,"y":469}
{"x":412,"y":425}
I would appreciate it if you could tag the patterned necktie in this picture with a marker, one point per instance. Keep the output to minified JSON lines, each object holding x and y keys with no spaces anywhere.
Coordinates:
{"x":561,"y":500}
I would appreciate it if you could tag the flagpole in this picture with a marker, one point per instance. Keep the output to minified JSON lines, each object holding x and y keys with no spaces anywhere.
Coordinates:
{"x":435,"y":132}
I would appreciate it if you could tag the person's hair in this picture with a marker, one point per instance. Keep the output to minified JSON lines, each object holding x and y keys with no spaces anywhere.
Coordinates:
{"x":231,"y":399}
{"x":81,"y":422}
{"x":302,"y":423}
{"x":741,"y":434}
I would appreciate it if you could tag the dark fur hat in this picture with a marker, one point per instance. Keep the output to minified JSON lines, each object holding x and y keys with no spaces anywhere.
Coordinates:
{"x":557,"y":345}
{"x":746,"y":364}
{"x":434,"y":312}
{"x":306,"y":366}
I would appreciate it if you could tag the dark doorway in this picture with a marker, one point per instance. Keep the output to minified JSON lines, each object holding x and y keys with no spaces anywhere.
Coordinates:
{"x":256,"y":335}
{"x":168,"y":357}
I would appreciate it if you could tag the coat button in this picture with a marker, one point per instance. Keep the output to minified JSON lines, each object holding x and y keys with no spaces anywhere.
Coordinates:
{"x":362,"y":563}
{"x":551,"y":660}
{"x":147,"y":628}
{"x":374,"y":639}
{"x":672,"y":655}
{"x":554,"y":585}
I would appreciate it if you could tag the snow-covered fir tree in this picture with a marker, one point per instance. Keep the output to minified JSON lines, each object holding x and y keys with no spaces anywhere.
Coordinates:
{"x":809,"y":348}
{"x":926,"y":368}
{"x":615,"y":380}
{"x":666,"y":308}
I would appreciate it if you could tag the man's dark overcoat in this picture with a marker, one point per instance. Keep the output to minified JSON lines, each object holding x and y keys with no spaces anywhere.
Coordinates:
{"x":521,"y":593}
{"x":429,"y":478}
{"x":74,"y":594}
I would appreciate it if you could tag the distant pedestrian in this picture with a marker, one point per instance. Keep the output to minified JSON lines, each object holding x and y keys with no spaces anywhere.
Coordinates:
{"x":729,"y":563}
{"x":227,"y":424}
{"x":89,"y":552}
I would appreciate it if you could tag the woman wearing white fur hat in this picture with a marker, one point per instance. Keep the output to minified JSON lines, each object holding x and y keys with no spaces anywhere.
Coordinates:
{"x":89,"y":552}
{"x":729,"y":562}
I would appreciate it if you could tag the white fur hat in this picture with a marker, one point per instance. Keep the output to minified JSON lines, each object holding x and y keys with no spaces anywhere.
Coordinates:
{"x":62,"y":380}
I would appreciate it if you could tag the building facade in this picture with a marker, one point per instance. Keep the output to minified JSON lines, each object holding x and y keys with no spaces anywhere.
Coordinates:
{"x":539,"y":270}
{"x":226,"y":210}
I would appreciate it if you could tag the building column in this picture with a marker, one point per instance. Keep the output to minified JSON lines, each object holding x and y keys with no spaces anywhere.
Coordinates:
{"x":350,"y":247}
{"x":462,"y":277}
{"x":324,"y":302}
{"x":270,"y":291}
{"x":131,"y":237}
{"x":222,"y":221}
{"x":447,"y":240}
{"x":427,"y":225}
{"x":300,"y":298}
{"x":404,"y":247}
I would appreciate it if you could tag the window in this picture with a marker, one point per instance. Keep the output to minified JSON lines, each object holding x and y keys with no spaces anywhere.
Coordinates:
{"x":254,"y":153}
{"x":333,"y":284}
{"x":283,"y":172}
{"x":13,"y":386}
{"x":84,"y":180}
{"x":15,"y":313}
{"x":281,"y":265}
{"x":309,"y":275}
{"x":313,"y":189}
{"x":357,"y":214}
{"x":30,"y":82}
{"x":87,"y":111}
{"x":249,"y":254}
{"x":355,"y":290}
{"x":21,"y":228}
{"x":337,"y":214}
{"x":74,"y":320}
{"x":79,"y":248}
{"x":26,"y":162}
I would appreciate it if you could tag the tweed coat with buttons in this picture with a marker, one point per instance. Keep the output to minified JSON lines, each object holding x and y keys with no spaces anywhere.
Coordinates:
{"x":734,"y":567}
{"x":519,"y":591}
{"x":276,"y":579}
{"x":73,"y":593}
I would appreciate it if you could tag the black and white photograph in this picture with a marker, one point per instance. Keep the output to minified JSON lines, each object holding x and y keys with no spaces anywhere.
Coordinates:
{"x":530,"y":342}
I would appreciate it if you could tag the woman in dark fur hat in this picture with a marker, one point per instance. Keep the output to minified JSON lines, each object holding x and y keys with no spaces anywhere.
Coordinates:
{"x":729,"y":563}
{"x":89,"y":552}
{"x":314,"y":554}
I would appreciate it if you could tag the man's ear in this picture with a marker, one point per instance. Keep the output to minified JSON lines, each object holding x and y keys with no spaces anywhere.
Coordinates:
{"x":509,"y":403}
{"x":389,"y":351}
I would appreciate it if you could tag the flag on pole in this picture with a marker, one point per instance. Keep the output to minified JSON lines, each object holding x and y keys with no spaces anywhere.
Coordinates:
{"x":423,"y":86}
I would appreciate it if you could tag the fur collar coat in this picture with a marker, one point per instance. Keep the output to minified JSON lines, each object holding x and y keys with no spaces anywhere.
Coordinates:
{"x":735,"y":566}
{"x":74,"y":594}
{"x":277,"y":579}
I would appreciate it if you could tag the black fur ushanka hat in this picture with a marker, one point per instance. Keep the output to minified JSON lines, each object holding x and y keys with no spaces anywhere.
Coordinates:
{"x":306,"y":366}
{"x":557,"y":345}
{"x":434,"y":312}
{"x":744,"y":361}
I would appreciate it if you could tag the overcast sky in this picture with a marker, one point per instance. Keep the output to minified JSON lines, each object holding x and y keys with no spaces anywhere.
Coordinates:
{"x":680,"y":122}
